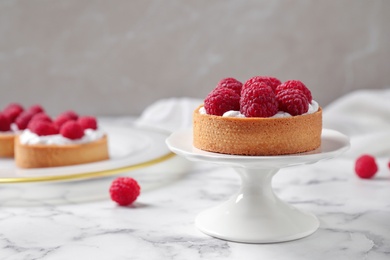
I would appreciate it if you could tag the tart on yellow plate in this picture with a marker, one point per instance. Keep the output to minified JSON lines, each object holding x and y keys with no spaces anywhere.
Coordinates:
{"x":36,"y":140}
{"x":67,"y":140}
{"x":43,"y":155}
{"x":10,"y":124}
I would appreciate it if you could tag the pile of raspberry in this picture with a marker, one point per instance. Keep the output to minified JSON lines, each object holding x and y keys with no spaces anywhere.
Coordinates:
{"x":260,"y":96}
{"x":68,"y":124}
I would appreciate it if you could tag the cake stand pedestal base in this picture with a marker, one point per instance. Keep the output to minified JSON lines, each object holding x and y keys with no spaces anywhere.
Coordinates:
{"x":255,"y":214}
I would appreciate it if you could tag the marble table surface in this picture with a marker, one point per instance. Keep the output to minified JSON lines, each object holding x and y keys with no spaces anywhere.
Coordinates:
{"x":354,"y":216}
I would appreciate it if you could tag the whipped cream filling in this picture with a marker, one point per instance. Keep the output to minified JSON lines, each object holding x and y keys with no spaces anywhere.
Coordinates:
{"x":313,"y":107}
{"x":90,"y":135}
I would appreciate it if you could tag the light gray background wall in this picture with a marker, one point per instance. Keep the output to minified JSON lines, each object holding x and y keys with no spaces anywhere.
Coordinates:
{"x":116,"y":57}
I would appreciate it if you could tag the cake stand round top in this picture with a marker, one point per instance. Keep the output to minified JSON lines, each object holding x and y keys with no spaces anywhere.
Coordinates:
{"x":333,"y":143}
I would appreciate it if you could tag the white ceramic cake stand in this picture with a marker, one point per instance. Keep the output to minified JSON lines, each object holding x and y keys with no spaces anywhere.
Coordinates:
{"x":255,"y":214}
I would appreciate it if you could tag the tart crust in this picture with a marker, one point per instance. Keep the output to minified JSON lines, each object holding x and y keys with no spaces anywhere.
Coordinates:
{"x":39,"y":156}
{"x":257,"y":136}
{"x":7,"y":145}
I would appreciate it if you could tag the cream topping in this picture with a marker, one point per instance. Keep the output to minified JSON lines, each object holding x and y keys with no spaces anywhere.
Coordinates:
{"x":313,"y":107}
{"x":90,"y":135}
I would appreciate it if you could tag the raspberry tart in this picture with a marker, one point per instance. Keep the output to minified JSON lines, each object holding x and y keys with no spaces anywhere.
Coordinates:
{"x":6,"y":137}
{"x":9,"y":128}
{"x":262,"y":117}
{"x":67,"y":140}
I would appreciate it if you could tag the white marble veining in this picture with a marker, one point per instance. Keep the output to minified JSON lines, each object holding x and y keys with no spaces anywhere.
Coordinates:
{"x":354,"y":216}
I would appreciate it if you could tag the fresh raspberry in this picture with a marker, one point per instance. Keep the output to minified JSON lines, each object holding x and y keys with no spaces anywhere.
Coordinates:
{"x":88,"y":122}
{"x":292,"y":101}
{"x":258,"y":100}
{"x":35,"y":109}
{"x":221,"y":100}
{"x":5,"y":124}
{"x":61,"y":120}
{"x":12,"y":113}
{"x":71,"y":114}
{"x":42,"y":128}
{"x":124,"y":190}
{"x":72,"y":130}
{"x":295,"y":84}
{"x":23,"y":119}
{"x":14,"y":106}
{"x":365,"y":166}
{"x":231,"y":83}
{"x":270,"y":81}
{"x":41,"y":117}
{"x":273,"y":82}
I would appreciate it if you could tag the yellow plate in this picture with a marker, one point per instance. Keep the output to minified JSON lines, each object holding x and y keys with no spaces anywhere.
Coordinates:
{"x":131,"y":148}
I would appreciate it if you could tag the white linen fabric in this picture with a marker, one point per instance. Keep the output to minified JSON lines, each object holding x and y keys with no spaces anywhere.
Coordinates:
{"x":364,"y":116}
{"x":169,"y":114}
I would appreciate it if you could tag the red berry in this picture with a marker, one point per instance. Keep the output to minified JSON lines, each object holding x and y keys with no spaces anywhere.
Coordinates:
{"x":365,"y":166}
{"x":231,"y":83}
{"x":14,"y":106}
{"x":273,"y":82}
{"x":221,"y":100}
{"x":61,"y":120}
{"x":292,"y":101}
{"x":23,"y":119}
{"x":124,"y":190}
{"x":35,"y":109}
{"x":270,"y":81}
{"x":88,"y":122}
{"x":12,"y":113}
{"x":72,"y":130}
{"x":295,"y":84}
{"x":41,"y":117}
{"x":71,"y":114}
{"x":5,"y":124}
{"x":42,"y":128}
{"x":258,"y":100}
